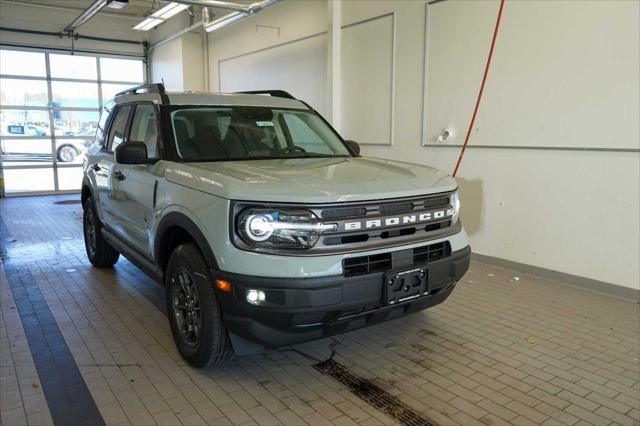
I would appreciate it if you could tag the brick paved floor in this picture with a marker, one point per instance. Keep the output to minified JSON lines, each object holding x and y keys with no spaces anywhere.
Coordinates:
{"x":502,"y":349}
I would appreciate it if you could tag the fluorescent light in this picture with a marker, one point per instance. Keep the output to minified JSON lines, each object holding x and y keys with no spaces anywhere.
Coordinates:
{"x":169,"y":10}
{"x":147,"y":24}
{"x":225,"y":20}
{"x":160,"y":15}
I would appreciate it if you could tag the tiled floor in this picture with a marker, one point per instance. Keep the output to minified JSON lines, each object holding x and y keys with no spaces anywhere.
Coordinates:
{"x":502,"y":349}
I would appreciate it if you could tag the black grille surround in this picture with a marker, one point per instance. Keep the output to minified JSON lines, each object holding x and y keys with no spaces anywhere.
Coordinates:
{"x":383,"y":262}
{"x":400,"y":230}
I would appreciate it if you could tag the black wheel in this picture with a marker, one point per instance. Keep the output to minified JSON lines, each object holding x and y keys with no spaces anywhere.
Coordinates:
{"x":193,"y":309}
{"x":99,"y":251}
{"x":67,"y":154}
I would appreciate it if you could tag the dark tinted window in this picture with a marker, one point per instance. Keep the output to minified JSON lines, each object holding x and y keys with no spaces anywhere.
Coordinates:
{"x":249,"y":132}
{"x":118,"y":127}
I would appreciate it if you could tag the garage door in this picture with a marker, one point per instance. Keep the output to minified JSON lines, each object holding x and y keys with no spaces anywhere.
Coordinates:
{"x":49,"y":108}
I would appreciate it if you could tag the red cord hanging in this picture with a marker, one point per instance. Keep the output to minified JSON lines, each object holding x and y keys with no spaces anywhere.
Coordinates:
{"x":484,"y":80}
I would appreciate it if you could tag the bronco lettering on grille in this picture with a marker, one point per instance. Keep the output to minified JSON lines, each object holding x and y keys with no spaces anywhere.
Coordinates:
{"x":396,"y":220}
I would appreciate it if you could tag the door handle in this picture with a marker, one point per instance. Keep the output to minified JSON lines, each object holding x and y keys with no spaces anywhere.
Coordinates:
{"x":96,"y":167}
{"x":118,"y":175}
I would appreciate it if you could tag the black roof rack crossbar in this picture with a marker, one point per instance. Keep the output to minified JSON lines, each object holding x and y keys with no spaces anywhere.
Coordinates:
{"x":148,"y":88}
{"x":276,"y":93}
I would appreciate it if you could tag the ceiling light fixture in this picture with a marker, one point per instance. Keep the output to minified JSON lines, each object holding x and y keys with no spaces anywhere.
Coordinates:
{"x":117,"y":4}
{"x":160,"y":15}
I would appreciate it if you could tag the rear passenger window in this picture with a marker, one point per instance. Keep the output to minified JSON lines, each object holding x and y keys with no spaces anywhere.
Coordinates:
{"x":144,"y":128}
{"x":118,"y":127}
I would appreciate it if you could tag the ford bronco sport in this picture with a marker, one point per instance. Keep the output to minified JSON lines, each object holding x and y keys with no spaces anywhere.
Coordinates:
{"x":264,"y":225}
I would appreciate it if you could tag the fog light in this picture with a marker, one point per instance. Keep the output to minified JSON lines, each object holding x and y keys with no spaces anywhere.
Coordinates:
{"x":256,"y":297}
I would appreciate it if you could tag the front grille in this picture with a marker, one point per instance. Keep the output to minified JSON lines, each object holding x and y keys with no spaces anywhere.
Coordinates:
{"x":426,"y":254}
{"x":383,"y":262}
{"x":366,"y":264}
{"x":400,"y":231}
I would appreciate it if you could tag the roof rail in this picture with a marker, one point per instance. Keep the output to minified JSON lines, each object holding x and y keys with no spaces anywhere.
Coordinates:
{"x":148,"y":88}
{"x":275,"y":93}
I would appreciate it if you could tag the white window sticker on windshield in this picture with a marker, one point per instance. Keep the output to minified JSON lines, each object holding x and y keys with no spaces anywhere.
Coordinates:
{"x":264,"y":123}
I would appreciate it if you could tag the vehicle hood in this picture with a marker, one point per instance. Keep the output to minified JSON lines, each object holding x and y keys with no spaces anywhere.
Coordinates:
{"x":311,"y":180}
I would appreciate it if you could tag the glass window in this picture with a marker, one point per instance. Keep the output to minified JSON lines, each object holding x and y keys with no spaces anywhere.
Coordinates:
{"x":69,"y":178}
{"x":23,"y":151}
{"x":110,"y":90}
{"x":118,"y":127}
{"x":72,"y":150}
{"x":19,"y":92}
{"x":244,"y":133}
{"x":144,"y":128}
{"x":71,"y":94}
{"x":121,"y":70}
{"x":28,"y":180}
{"x":14,"y":122}
{"x":303,"y":135}
{"x":30,"y":64}
{"x":67,"y":66}
{"x":75,"y":123}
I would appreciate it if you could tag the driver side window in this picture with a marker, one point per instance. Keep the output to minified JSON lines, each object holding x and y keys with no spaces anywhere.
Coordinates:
{"x":118,"y":128}
{"x":144,"y":128}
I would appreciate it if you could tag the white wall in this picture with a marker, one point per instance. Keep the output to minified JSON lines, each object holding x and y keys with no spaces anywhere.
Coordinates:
{"x":284,"y":46}
{"x":46,"y":19}
{"x":167,"y":65}
{"x":179,"y":62}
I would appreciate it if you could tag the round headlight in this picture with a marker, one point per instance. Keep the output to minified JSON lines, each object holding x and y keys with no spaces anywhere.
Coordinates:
{"x":259,"y":227}
{"x":280,"y":229}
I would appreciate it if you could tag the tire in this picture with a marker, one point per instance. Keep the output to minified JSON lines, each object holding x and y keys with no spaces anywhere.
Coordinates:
{"x":100,"y":253}
{"x":193,"y":309}
{"x":67,"y":153}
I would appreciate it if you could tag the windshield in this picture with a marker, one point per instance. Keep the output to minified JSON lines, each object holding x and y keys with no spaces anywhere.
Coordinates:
{"x":252,"y":133}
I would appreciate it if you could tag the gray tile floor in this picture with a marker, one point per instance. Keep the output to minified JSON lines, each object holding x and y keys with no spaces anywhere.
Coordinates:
{"x":81,"y":345}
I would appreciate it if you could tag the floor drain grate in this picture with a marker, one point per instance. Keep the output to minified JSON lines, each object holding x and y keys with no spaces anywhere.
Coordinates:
{"x":66,"y":202}
{"x":372,"y":394}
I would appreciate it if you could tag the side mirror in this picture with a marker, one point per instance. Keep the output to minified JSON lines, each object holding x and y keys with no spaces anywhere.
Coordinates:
{"x":353,"y":147}
{"x":132,"y":153}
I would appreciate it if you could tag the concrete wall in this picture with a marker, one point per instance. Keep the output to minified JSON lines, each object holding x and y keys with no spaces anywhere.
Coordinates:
{"x":54,"y":20}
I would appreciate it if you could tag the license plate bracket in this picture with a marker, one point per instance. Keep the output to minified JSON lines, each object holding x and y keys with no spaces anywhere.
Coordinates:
{"x":400,"y":286}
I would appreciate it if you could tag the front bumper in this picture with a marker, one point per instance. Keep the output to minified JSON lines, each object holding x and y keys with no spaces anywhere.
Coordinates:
{"x":303,"y":309}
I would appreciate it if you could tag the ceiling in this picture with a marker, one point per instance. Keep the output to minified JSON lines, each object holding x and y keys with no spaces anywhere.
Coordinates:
{"x":135,"y":9}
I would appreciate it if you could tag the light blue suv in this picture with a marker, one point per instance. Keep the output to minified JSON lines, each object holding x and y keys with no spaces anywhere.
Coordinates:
{"x":264,"y":225}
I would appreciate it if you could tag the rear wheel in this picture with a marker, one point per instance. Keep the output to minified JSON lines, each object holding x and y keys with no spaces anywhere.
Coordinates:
{"x":99,"y":251}
{"x":193,"y":309}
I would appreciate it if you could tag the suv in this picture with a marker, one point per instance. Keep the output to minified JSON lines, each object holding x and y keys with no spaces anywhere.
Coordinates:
{"x":265,"y":227}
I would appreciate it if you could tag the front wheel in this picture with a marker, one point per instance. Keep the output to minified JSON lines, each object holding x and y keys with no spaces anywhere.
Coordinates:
{"x":193,"y":309}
